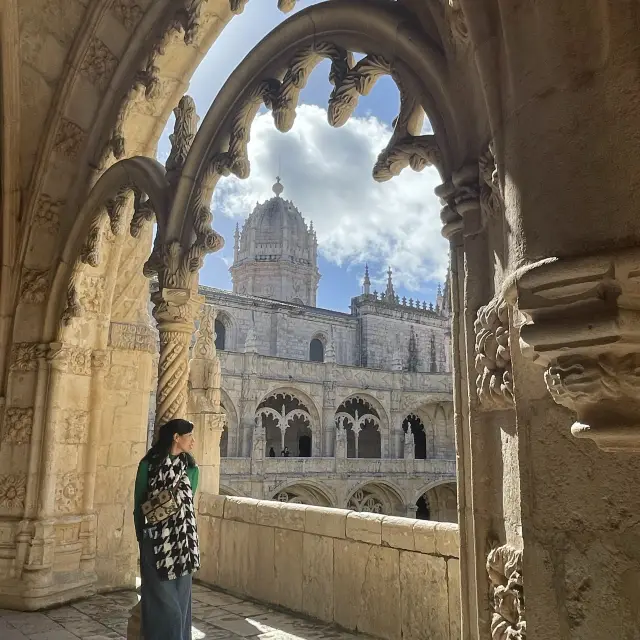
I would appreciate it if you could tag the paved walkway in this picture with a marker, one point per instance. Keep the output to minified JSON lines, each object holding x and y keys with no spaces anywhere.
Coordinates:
{"x":216,"y":616}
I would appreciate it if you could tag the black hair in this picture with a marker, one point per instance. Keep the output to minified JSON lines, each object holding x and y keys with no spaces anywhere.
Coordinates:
{"x":162,"y":446}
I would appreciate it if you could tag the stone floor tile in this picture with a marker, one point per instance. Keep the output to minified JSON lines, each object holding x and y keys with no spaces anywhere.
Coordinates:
{"x":216,"y":598}
{"x":246,"y":609}
{"x":236,"y":625}
{"x":62,"y":634}
{"x":216,"y":616}
{"x":31,"y":623}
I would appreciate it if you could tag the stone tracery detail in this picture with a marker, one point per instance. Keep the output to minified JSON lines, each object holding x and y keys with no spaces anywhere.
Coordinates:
{"x":490,"y":196}
{"x":99,"y":63}
{"x":364,"y":501}
{"x":494,"y":383}
{"x":25,"y":355}
{"x":508,"y":621}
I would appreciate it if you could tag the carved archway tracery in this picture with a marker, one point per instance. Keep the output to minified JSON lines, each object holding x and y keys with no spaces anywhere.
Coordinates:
{"x":273,"y":74}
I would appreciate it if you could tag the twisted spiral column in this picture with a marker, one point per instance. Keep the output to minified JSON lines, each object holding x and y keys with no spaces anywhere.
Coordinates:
{"x":174,"y":310}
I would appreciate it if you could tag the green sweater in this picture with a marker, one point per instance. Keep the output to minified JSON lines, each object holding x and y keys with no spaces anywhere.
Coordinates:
{"x":141,"y":488}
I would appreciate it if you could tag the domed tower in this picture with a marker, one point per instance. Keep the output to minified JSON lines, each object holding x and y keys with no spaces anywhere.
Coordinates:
{"x":275,"y":255}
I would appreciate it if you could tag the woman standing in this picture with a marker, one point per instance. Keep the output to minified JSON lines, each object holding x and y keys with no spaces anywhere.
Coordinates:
{"x":167,"y":535}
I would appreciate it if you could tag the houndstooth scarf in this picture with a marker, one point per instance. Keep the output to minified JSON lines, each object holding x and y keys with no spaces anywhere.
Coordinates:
{"x":176,"y":539}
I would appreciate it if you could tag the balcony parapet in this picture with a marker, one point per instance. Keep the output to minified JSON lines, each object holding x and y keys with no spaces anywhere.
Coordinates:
{"x":310,"y":466}
{"x":385,"y":576}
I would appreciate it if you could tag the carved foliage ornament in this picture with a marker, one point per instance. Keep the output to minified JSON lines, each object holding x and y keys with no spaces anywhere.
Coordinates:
{"x":237,"y":6}
{"x":494,"y":382}
{"x":17,"y":426}
{"x":350,"y":82}
{"x":508,"y":621}
{"x":34,"y":285}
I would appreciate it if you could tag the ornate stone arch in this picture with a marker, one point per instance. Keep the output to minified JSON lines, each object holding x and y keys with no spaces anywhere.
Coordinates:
{"x":440,"y":498}
{"x":305,"y":492}
{"x":377,"y":496}
{"x":291,"y":418}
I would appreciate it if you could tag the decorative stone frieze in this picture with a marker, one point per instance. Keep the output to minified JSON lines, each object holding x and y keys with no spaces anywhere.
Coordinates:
{"x":34,"y":285}
{"x":17,"y":425}
{"x":47,"y":216}
{"x":72,"y":427}
{"x":133,"y":337}
{"x":91,"y":293}
{"x":13,"y":489}
{"x":69,"y":488}
{"x":69,"y":138}
{"x":70,"y":359}
{"x":580,"y":321}
{"x":99,"y":63}
{"x":494,"y":383}
{"x":508,"y":621}
{"x":24,"y":355}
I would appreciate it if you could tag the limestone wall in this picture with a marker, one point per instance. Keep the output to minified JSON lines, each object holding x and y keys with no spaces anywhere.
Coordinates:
{"x":381,"y":575}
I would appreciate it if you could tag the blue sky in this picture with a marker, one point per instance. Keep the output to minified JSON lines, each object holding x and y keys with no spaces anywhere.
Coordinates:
{"x":327,"y":174}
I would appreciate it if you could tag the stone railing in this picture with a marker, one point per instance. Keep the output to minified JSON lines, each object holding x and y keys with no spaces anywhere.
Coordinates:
{"x":247,"y":466}
{"x":385,"y":576}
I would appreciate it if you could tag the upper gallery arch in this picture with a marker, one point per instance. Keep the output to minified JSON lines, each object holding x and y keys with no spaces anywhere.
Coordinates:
{"x":277,"y":69}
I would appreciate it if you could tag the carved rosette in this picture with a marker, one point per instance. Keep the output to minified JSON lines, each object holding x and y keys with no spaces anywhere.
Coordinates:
{"x":491,"y":202}
{"x":494,"y":383}
{"x":508,"y":620}
{"x":69,"y":487}
{"x":13,"y":489}
{"x":581,"y":322}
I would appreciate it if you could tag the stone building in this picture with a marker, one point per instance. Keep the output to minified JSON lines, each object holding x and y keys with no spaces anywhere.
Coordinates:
{"x":534,"y":111}
{"x":292,"y":371}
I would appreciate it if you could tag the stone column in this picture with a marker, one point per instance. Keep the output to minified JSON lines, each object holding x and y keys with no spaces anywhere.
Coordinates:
{"x":478,"y":431}
{"x":99,"y":362}
{"x":566,"y":126}
{"x":396,"y":417}
{"x":174,"y":311}
{"x":204,"y":403}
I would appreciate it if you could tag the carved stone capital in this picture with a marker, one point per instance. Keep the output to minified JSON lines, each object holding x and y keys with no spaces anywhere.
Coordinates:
{"x":581,"y":321}
{"x":175,"y":309}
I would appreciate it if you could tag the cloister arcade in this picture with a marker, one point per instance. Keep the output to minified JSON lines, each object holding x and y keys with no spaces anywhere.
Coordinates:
{"x":535,"y":129}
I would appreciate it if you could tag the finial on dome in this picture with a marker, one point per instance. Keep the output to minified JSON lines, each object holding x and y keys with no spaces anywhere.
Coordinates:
{"x":277,"y":187}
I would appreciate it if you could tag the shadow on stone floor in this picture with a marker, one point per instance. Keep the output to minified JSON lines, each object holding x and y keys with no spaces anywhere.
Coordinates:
{"x":216,"y":616}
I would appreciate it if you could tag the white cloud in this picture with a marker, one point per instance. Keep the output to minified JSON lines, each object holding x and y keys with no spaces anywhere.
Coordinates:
{"x":327,"y":174}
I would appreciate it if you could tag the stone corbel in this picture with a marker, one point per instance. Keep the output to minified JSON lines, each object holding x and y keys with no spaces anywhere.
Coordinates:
{"x":581,"y":322}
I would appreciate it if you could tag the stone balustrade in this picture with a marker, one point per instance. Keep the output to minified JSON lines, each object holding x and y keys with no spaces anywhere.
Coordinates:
{"x":305,"y":466}
{"x":385,"y":576}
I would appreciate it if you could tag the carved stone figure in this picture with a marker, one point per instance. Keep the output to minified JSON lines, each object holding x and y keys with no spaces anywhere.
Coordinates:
{"x":508,"y":621}
{"x":493,"y":356}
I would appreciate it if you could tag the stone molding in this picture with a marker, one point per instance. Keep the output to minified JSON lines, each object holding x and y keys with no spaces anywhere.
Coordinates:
{"x":580,"y":320}
{"x":508,"y":621}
